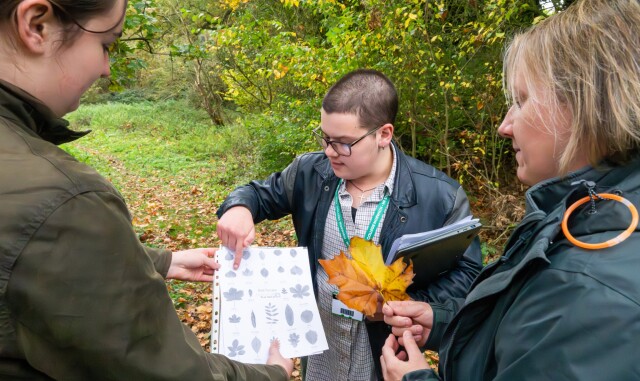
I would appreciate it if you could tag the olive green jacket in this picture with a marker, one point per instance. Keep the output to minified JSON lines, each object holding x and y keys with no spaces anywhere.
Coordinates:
{"x":548,"y":309}
{"x":80,"y":297}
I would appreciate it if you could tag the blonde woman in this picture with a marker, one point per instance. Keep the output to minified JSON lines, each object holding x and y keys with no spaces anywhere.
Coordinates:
{"x":562,"y":303}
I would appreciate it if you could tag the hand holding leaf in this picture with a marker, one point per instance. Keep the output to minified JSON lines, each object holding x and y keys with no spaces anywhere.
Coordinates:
{"x":364,"y":278}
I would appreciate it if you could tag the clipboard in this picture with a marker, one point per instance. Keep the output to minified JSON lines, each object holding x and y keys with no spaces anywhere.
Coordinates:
{"x":437,"y":254}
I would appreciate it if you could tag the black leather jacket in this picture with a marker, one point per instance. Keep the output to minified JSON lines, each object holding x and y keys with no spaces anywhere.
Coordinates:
{"x":423,"y":199}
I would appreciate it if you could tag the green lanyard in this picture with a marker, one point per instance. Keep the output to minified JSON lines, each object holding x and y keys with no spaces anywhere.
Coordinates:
{"x":373,"y":225}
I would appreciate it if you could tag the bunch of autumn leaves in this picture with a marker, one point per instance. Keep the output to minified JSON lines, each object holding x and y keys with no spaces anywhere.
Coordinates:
{"x":364,"y":279}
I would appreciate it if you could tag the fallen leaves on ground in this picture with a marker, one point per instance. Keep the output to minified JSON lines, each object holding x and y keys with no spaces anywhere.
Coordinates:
{"x":364,"y":280}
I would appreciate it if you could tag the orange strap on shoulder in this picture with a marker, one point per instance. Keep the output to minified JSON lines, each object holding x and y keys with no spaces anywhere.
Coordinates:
{"x":613,"y":241}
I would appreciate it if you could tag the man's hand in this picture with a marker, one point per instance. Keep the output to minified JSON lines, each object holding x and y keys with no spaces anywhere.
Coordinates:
{"x":275,"y":358}
{"x":412,"y":316}
{"x":236,"y":231}
{"x":193,"y":265}
{"x":395,"y":366}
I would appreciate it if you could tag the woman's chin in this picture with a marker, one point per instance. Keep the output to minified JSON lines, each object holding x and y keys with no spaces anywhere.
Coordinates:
{"x":71,"y":108}
{"x":522,"y":176}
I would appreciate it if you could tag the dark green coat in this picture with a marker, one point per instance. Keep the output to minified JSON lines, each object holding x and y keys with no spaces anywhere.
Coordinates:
{"x":80,"y":297}
{"x":548,"y":310}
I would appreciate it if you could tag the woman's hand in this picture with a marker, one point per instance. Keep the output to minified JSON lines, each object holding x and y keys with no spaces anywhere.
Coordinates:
{"x":395,"y":366}
{"x":415,"y":317}
{"x":196,"y":265}
{"x":275,"y":358}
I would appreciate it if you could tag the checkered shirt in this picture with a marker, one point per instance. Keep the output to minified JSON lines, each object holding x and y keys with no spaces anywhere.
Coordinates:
{"x":349,"y":355}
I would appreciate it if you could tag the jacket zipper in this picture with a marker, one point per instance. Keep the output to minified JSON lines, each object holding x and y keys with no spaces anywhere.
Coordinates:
{"x":521,"y":240}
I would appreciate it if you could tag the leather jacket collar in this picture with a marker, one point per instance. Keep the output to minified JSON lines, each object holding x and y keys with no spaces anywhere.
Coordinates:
{"x":32,"y":115}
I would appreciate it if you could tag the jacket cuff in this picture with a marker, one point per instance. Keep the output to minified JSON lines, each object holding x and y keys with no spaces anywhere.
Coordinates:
{"x":161,"y":259}
{"x":284,"y":372}
{"x":420,"y":375}
{"x":442,"y":315}
{"x":232,"y":203}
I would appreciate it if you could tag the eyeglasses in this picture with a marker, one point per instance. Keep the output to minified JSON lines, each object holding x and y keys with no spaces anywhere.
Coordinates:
{"x":342,"y":149}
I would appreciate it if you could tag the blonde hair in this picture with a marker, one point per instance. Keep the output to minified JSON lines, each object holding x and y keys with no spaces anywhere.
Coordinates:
{"x":588,"y":57}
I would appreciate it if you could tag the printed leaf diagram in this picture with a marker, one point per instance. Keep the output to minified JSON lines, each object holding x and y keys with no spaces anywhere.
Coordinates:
{"x":364,"y":278}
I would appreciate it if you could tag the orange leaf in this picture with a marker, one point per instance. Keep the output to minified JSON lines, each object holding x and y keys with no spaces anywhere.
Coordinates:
{"x":365,"y":279}
{"x":356,"y":289}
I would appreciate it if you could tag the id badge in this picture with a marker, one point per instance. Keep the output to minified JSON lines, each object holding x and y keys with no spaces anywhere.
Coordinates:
{"x":341,"y":309}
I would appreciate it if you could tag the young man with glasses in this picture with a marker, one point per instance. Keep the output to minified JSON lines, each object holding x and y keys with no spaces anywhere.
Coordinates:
{"x":360,"y":185}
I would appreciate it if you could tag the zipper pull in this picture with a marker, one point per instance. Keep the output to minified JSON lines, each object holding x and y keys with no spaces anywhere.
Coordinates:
{"x":590,"y":185}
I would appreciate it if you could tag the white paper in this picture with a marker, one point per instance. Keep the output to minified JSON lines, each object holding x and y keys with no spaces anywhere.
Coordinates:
{"x":269,"y":296}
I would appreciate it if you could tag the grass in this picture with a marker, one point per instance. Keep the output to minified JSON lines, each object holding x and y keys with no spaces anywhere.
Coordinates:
{"x":168,"y":137}
{"x":167,"y":140}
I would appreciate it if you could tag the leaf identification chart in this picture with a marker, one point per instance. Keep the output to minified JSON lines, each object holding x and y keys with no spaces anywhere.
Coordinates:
{"x":269,"y":296}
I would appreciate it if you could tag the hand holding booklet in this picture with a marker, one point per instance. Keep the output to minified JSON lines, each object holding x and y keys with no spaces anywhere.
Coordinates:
{"x":435,"y":252}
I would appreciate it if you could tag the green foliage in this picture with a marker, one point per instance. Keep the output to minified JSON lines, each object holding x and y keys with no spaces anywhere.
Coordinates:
{"x":278,"y":58}
{"x":489,"y":252}
{"x":140,"y":29}
{"x":278,"y":139}
{"x":130,"y":95}
{"x":443,"y":56}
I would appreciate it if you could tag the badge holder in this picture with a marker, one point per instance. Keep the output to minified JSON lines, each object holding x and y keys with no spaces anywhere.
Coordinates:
{"x":341,"y":309}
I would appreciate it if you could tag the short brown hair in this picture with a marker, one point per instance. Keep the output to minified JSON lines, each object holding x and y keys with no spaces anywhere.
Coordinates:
{"x":366,"y":93}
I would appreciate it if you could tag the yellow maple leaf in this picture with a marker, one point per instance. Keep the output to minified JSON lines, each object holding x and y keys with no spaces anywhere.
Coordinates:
{"x":365,"y":279}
